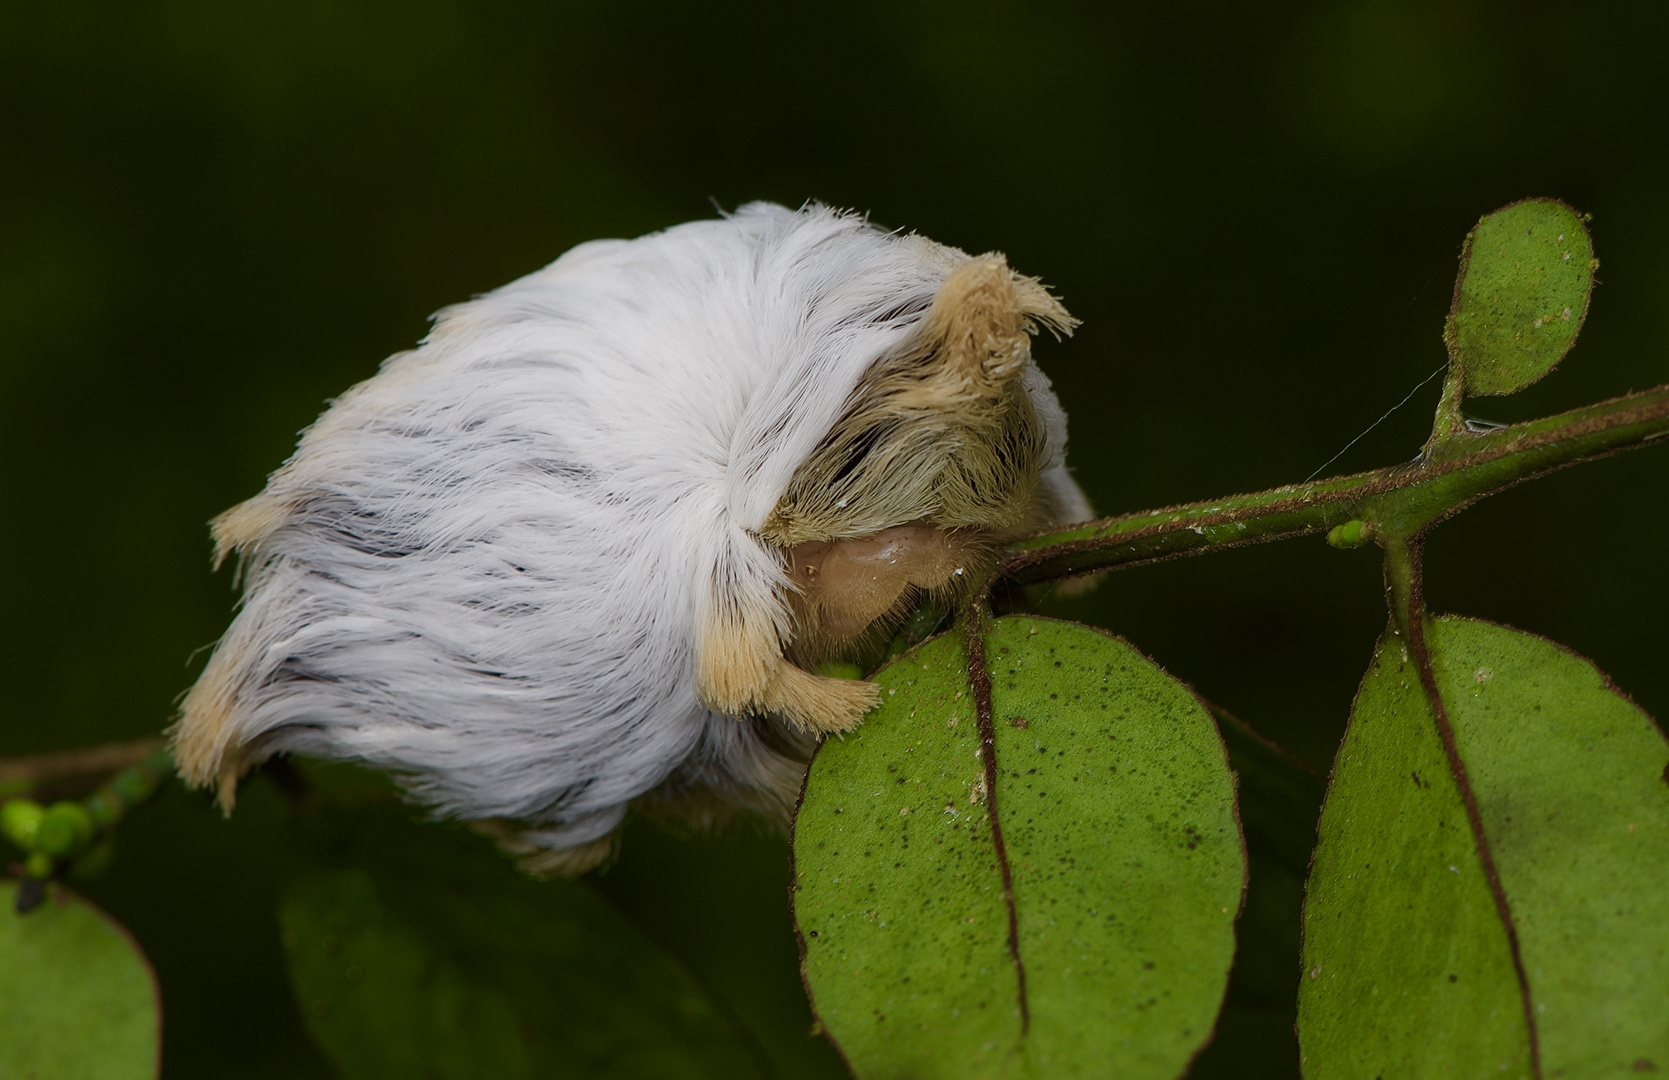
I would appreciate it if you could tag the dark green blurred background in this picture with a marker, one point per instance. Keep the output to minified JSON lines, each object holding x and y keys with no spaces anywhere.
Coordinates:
{"x":214,"y":216}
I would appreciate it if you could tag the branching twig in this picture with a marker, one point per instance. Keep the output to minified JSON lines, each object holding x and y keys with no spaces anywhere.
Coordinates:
{"x":1457,"y":469}
{"x":36,"y":769}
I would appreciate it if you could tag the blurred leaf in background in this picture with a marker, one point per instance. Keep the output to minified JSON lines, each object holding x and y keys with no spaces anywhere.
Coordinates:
{"x":420,"y":950}
{"x":77,"y":997}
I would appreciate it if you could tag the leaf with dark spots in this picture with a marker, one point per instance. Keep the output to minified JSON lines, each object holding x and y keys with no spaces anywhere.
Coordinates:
{"x":1539,"y":946}
{"x":1143,"y":865}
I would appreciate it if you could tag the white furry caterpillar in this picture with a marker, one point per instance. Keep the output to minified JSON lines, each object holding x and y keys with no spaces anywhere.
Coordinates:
{"x":582,"y":545}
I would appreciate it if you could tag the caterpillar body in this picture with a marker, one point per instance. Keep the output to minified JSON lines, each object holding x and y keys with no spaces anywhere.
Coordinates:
{"x":588,"y":544}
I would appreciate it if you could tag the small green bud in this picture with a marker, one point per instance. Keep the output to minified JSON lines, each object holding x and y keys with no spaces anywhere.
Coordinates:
{"x":65,"y":830}
{"x":20,"y":820}
{"x":839,"y":669}
{"x":39,"y":865}
{"x":1352,"y":534}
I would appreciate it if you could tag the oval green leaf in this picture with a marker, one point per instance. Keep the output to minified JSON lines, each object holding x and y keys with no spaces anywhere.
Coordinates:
{"x":77,"y":997}
{"x":1116,"y":810}
{"x":1410,"y":969}
{"x":419,"y":951}
{"x":1526,"y":273}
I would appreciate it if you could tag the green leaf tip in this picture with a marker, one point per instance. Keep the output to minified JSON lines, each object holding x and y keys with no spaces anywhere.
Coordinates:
{"x":1526,"y":273}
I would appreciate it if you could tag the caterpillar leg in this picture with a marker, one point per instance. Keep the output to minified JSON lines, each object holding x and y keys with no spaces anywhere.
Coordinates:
{"x":537,"y":860}
{"x":740,"y":669}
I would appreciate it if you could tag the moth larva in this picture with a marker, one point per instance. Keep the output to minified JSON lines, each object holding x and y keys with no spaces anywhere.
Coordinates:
{"x":588,"y":543}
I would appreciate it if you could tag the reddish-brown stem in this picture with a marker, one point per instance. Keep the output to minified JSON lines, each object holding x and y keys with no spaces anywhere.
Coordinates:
{"x":979,"y":682}
{"x":1403,"y":574}
{"x":63,"y":764}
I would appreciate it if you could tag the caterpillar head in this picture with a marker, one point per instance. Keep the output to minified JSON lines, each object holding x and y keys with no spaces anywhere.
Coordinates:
{"x":936,"y":455}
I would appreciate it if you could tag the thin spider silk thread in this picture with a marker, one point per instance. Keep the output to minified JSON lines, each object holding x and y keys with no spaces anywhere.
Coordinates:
{"x":1440,"y":369}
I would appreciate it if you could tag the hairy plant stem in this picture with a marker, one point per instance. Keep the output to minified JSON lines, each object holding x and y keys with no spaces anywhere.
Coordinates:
{"x":1456,"y":469}
{"x":979,"y":681}
{"x":1402,"y":568}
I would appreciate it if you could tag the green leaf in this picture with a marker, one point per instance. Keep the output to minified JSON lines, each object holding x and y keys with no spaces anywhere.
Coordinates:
{"x":1526,"y":273}
{"x":1409,"y":966}
{"x":1397,"y":903}
{"x":1118,"y":821}
{"x":419,"y":951}
{"x":77,"y":997}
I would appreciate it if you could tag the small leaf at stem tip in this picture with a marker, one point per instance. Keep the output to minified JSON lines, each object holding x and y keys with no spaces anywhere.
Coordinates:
{"x":1352,"y":534}
{"x":1526,"y":274}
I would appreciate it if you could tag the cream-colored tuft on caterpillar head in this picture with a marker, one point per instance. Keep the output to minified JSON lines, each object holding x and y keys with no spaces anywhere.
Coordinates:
{"x":580,"y":548}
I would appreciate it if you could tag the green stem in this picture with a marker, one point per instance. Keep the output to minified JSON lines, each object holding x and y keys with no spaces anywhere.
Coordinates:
{"x":1449,"y":421}
{"x":1457,"y":469}
{"x":1402,"y":558}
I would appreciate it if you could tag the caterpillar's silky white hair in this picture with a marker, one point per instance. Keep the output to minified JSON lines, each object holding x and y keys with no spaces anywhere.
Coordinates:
{"x":545,"y":564}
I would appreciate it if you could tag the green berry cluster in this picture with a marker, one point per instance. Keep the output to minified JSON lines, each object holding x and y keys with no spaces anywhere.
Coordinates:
{"x":53,"y":838}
